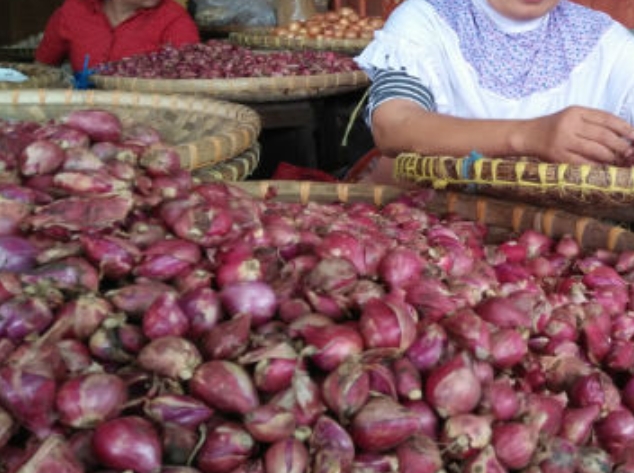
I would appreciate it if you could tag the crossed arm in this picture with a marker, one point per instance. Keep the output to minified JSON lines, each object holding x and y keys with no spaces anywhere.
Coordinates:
{"x":407,"y":122}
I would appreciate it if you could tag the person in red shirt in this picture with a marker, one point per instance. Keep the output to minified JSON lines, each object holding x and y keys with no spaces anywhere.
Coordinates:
{"x":92,"y":32}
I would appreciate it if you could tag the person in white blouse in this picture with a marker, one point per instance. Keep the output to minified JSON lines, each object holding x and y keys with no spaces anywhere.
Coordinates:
{"x":544,"y":78}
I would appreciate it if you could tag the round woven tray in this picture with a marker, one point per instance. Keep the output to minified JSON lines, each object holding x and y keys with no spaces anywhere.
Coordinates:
{"x":600,"y":191}
{"x":263,"y":39}
{"x":203,"y":130}
{"x":22,"y":50}
{"x":237,"y":168}
{"x":40,"y":76}
{"x":502,"y":218}
{"x":247,"y":89}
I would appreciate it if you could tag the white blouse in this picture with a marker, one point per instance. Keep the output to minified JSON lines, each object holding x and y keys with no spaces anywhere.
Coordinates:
{"x":479,"y":64}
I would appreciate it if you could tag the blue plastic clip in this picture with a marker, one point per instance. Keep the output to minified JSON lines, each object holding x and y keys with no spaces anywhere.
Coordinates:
{"x":82,"y":78}
{"x":467,"y":164}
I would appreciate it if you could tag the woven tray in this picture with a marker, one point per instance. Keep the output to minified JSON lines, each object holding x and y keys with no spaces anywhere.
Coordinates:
{"x":40,"y":76}
{"x":263,"y":39}
{"x":502,"y":218}
{"x":204,"y":131}
{"x":23,"y":51}
{"x":599,"y":191}
{"x":251,"y":89}
{"x":237,"y":168}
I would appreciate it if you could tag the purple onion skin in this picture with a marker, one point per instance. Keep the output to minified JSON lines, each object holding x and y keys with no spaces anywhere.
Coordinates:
{"x":286,"y":456}
{"x":178,"y":409}
{"x":22,"y":316}
{"x":170,"y":356}
{"x":270,"y":423}
{"x":346,"y":389}
{"x":227,"y":447}
{"x":382,"y":424}
{"x":331,"y":446}
{"x":256,"y":298}
{"x":442,"y":391}
{"x":86,"y":312}
{"x":224,"y":385}
{"x":41,"y":157}
{"x":29,"y":397}
{"x":165,"y":318}
{"x":99,"y":125}
{"x":228,"y":339}
{"x":85,"y":401}
{"x":203,"y":309}
{"x":16,"y":254}
{"x":128,"y":443}
{"x":54,"y":454}
{"x":419,"y":454}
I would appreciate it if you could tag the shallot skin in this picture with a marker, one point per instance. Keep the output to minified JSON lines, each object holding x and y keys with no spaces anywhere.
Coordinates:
{"x":88,"y":400}
{"x":99,"y":125}
{"x":128,"y":443}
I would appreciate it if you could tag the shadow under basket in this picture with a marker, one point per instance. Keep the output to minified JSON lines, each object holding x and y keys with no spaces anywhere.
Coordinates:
{"x":599,"y":191}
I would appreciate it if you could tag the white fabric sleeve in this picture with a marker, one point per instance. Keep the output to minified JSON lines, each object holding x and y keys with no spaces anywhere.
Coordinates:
{"x":409,"y":42}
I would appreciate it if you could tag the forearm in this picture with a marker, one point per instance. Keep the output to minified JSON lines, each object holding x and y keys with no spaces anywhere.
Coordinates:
{"x":402,"y":126}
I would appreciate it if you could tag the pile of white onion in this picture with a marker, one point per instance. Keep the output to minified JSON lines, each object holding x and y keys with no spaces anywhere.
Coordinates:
{"x":155,"y":324}
{"x":343,"y":23}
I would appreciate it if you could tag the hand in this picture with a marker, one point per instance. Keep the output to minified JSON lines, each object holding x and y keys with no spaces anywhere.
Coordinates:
{"x":581,"y":135}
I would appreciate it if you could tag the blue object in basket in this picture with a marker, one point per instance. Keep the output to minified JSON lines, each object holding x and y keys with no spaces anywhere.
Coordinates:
{"x":82,"y":78}
{"x":466,"y":167}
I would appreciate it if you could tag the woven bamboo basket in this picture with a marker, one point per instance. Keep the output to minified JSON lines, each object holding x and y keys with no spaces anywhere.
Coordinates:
{"x":39,"y":76}
{"x":23,"y":51}
{"x":204,"y":131}
{"x":263,"y":39}
{"x":246,"y":89}
{"x":503,"y":219}
{"x":600,"y":191}
{"x":238,"y":168}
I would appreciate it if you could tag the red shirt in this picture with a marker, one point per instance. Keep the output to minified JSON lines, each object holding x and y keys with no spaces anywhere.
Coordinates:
{"x":80,"y":27}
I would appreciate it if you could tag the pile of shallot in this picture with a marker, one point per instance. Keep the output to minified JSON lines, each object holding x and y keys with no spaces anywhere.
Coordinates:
{"x":151,"y":323}
{"x":216,"y":59}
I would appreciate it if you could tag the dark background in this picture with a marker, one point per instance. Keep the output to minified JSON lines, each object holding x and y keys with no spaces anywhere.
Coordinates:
{"x":22,"y":18}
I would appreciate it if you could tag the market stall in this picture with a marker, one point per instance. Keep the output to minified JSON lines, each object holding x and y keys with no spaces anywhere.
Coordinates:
{"x":163,"y":311}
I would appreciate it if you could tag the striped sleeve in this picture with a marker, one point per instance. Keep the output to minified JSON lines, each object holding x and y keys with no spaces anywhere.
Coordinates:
{"x":394,"y":84}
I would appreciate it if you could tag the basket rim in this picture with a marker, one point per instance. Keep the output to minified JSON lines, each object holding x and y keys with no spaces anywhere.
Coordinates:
{"x":605,"y":191}
{"x":469,"y":171}
{"x":261,"y":37}
{"x":255,"y":88}
{"x":237,"y":168}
